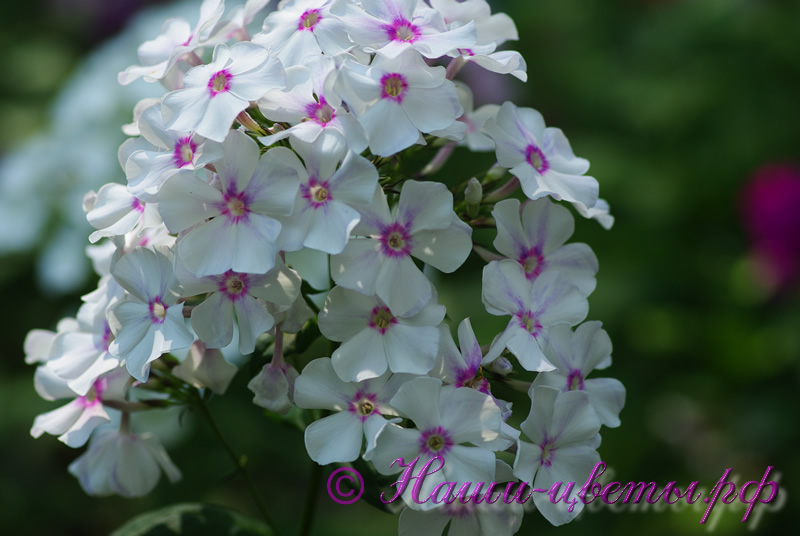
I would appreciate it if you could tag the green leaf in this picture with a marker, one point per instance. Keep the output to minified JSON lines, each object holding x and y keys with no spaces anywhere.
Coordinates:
{"x":195,"y":519}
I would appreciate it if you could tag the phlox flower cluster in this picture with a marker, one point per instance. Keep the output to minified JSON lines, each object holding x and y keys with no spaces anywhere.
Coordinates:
{"x":263,"y":203}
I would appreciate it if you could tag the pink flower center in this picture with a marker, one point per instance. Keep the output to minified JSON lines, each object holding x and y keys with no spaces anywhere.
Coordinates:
{"x":402,"y":30}
{"x":364,"y":405}
{"x":548,"y":453}
{"x":532,"y":262}
{"x":381,"y":318}
{"x":529,"y":323}
{"x":308,"y":20}
{"x":535,"y":157}
{"x":220,"y":82}
{"x":394,"y":86}
{"x":396,"y":240}
{"x":435,"y":441}
{"x":575,"y":381}
{"x":158,"y":311}
{"x":137,"y":205}
{"x":95,"y":394}
{"x":321,"y":112}
{"x":105,"y":341}
{"x":184,"y":151}
{"x":235,"y":206}
{"x":316,"y":193}
{"x":233,"y":285}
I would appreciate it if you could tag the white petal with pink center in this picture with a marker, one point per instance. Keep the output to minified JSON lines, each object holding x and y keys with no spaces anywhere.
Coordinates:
{"x":397,"y":99}
{"x":541,"y":158}
{"x":422,"y":225}
{"x":576,"y":354}
{"x":563,"y":429}
{"x":76,"y":421}
{"x":534,"y":233}
{"x":214,"y":94}
{"x":239,"y":298}
{"x":149,"y":322}
{"x":113,"y":211}
{"x":303,"y":28}
{"x":447,"y":421}
{"x":148,"y":168}
{"x":79,"y":356}
{"x":242,"y":231}
{"x":392,"y":27}
{"x":326,"y":212}
{"x":360,"y":408}
{"x":314,"y":110}
{"x":534,"y":307}
{"x":374,"y":339}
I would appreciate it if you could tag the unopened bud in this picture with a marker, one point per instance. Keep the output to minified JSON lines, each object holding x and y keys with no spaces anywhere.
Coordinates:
{"x":496,"y":172}
{"x":473,"y":195}
{"x":273,"y":387}
{"x":502,"y":366}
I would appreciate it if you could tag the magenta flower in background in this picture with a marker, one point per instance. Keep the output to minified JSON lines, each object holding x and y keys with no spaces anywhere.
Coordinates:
{"x":769,"y":213}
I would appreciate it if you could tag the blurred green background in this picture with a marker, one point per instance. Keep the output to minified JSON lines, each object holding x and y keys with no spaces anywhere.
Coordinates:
{"x":675,"y":103}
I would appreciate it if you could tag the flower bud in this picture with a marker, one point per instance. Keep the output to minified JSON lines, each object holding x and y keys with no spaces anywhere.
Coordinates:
{"x":473,"y":195}
{"x":496,"y":172}
{"x":206,"y":368}
{"x":502,"y":366}
{"x":273,"y":387}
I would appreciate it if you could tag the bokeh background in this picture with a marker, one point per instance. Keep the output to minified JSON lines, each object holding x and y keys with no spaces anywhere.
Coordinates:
{"x":688,"y":112}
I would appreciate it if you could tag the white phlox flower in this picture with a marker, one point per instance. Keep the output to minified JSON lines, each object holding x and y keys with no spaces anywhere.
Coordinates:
{"x":534,"y":233}
{"x":392,"y":27}
{"x":80,"y":356}
{"x":113,"y":211}
{"x":457,"y":425}
{"x":177,"y":39}
{"x":123,"y":463}
{"x":576,"y":354}
{"x":492,"y":31}
{"x":313,"y":109}
{"x":397,"y":99}
{"x":374,"y":339}
{"x":541,"y":158}
{"x":76,"y":421}
{"x":483,"y":519}
{"x":360,"y":408}
{"x":147,"y":168}
{"x":474,"y":120}
{"x":563,"y":429}
{"x":214,"y":94}
{"x":240,"y":296}
{"x":422,"y":225}
{"x":326,"y":208}
{"x":301,"y":29}
{"x":232,"y":229}
{"x":534,"y":307}
{"x":149,"y":321}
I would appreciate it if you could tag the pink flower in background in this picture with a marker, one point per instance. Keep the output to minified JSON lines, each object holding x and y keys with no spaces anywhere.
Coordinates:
{"x":770,"y":216}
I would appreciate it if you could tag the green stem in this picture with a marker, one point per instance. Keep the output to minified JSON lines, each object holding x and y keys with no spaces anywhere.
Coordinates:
{"x":314,"y":483}
{"x":239,"y":462}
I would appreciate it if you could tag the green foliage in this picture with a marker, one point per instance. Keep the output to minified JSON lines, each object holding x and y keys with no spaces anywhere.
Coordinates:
{"x":193,"y":519}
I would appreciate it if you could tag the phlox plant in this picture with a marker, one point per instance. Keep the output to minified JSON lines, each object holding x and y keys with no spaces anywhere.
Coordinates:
{"x":268,"y":202}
